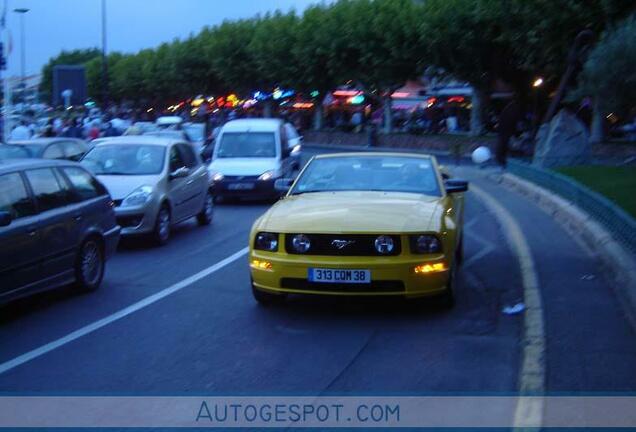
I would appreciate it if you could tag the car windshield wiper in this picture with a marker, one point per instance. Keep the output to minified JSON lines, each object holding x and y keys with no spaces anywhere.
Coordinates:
{"x":114,"y":173}
{"x":309,"y":191}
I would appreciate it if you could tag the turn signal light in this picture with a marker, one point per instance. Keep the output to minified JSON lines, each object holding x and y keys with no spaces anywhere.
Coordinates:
{"x":261,"y":265}
{"x":430,"y":268}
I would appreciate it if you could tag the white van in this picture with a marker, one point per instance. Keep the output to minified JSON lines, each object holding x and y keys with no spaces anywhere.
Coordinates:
{"x":249,"y":156}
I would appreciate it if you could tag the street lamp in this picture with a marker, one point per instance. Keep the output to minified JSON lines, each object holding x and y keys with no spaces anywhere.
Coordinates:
{"x":22,"y":12}
{"x":536,"y":84}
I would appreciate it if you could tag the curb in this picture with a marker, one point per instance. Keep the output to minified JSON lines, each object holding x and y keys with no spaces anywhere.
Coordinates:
{"x":619,"y":263}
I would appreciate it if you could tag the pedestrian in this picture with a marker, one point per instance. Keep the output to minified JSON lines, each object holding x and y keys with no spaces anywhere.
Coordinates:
{"x":74,"y":131}
{"x":508,"y":120}
{"x":93,"y":131}
{"x":110,"y":131}
{"x":21,"y":132}
{"x":356,"y":121}
{"x":49,"y":129}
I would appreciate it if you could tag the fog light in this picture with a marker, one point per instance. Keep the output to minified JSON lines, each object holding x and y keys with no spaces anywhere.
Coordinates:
{"x":261,"y":265}
{"x":430,"y":268}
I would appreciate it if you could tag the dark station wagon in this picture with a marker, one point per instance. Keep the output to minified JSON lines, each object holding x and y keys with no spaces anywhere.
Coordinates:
{"x":57,"y":227}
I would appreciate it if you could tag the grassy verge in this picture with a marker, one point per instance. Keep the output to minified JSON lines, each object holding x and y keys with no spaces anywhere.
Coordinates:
{"x":616,"y":183}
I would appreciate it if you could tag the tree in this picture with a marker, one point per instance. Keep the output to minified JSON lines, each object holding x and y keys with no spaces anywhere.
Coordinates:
{"x":609,"y":75}
{"x":227,"y":49}
{"x":381,"y":48}
{"x":71,"y":58}
{"x":314,"y":53}
{"x":95,"y":78}
{"x":463,"y":38}
{"x":272,"y":42}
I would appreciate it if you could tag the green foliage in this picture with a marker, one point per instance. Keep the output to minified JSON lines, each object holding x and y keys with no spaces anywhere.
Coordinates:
{"x":610,"y":73}
{"x":378,"y":44}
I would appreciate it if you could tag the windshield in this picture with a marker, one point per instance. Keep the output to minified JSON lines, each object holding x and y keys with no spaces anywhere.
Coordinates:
{"x":127,"y":159}
{"x":14,"y":152}
{"x":247,"y":144}
{"x":369,"y":173}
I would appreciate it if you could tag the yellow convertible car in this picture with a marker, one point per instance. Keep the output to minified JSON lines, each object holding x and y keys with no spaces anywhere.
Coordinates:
{"x":361,"y":224}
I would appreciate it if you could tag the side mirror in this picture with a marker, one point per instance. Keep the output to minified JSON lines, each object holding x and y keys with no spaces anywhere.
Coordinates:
{"x":5,"y":218}
{"x":283,"y":185}
{"x":455,"y":186}
{"x":179,"y":173}
{"x":444,"y":172}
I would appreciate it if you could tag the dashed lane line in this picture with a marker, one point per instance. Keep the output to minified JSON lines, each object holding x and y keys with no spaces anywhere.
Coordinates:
{"x":529,"y":410}
{"x":141,"y":304}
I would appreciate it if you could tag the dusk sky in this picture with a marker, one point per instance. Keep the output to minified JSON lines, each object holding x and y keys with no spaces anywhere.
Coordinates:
{"x":53,"y":25}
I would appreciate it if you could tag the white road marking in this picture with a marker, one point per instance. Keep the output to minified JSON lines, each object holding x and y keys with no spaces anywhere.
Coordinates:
{"x":44,"y":349}
{"x":529,"y":410}
{"x":487,"y":246}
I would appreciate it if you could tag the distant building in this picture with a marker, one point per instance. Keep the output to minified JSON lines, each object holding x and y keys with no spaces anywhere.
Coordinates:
{"x":27,"y":92}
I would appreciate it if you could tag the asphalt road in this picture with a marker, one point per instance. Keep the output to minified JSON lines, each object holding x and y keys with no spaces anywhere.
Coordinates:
{"x":210,"y":337}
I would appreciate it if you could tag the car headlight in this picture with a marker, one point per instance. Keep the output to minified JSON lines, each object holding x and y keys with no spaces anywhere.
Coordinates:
{"x":425,"y":244}
{"x":296,"y":150}
{"x":216,"y":176}
{"x":384,"y":244}
{"x":139,"y":196}
{"x":301,"y":243}
{"x":267,"y":175}
{"x":266,"y":241}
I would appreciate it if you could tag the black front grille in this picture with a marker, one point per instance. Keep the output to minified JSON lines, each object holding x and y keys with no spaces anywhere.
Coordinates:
{"x":374,"y":286}
{"x":343,"y":245}
{"x":129,"y":221}
{"x":240,"y":178}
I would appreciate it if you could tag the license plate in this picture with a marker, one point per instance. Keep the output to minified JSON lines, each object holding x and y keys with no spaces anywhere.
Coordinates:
{"x":339,"y":276}
{"x":240,"y":186}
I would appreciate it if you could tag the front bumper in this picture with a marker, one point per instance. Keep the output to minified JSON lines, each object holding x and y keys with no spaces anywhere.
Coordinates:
{"x":390,"y":276}
{"x":249,"y":188}
{"x":137,"y":220}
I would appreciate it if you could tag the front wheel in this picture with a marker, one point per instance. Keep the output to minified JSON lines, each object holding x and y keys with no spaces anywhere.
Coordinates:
{"x":447,"y":300}
{"x":161,"y":233}
{"x":205,"y":217}
{"x":266,"y":299}
{"x":89,"y":267}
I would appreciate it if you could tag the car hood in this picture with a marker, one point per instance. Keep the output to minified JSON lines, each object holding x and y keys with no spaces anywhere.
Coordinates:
{"x":354,"y":212}
{"x":243,"y":166}
{"x":120,"y":186}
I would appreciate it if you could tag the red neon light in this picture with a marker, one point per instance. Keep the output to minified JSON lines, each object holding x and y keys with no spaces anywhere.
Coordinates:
{"x":346,"y":93}
{"x":458,"y":99}
{"x":400,"y":95}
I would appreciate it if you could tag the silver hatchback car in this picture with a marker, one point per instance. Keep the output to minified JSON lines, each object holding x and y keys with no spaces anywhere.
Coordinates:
{"x":155,"y":183}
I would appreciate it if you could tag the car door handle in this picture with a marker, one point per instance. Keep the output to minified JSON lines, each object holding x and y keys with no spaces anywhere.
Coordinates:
{"x":189,"y":182}
{"x":77,"y":218}
{"x":32,"y":231}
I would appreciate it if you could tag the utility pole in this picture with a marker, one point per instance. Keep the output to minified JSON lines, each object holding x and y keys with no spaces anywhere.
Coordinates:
{"x":22,"y":12}
{"x":4,"y":53}
{"x":105,"y":96}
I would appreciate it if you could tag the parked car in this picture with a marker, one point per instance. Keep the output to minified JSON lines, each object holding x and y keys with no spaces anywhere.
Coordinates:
{"x":196,"y":134}
{"x":45,"y":148}
{"x":57,"y":226}
{"x":249,"y":156}
{"x":155,"y":183}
